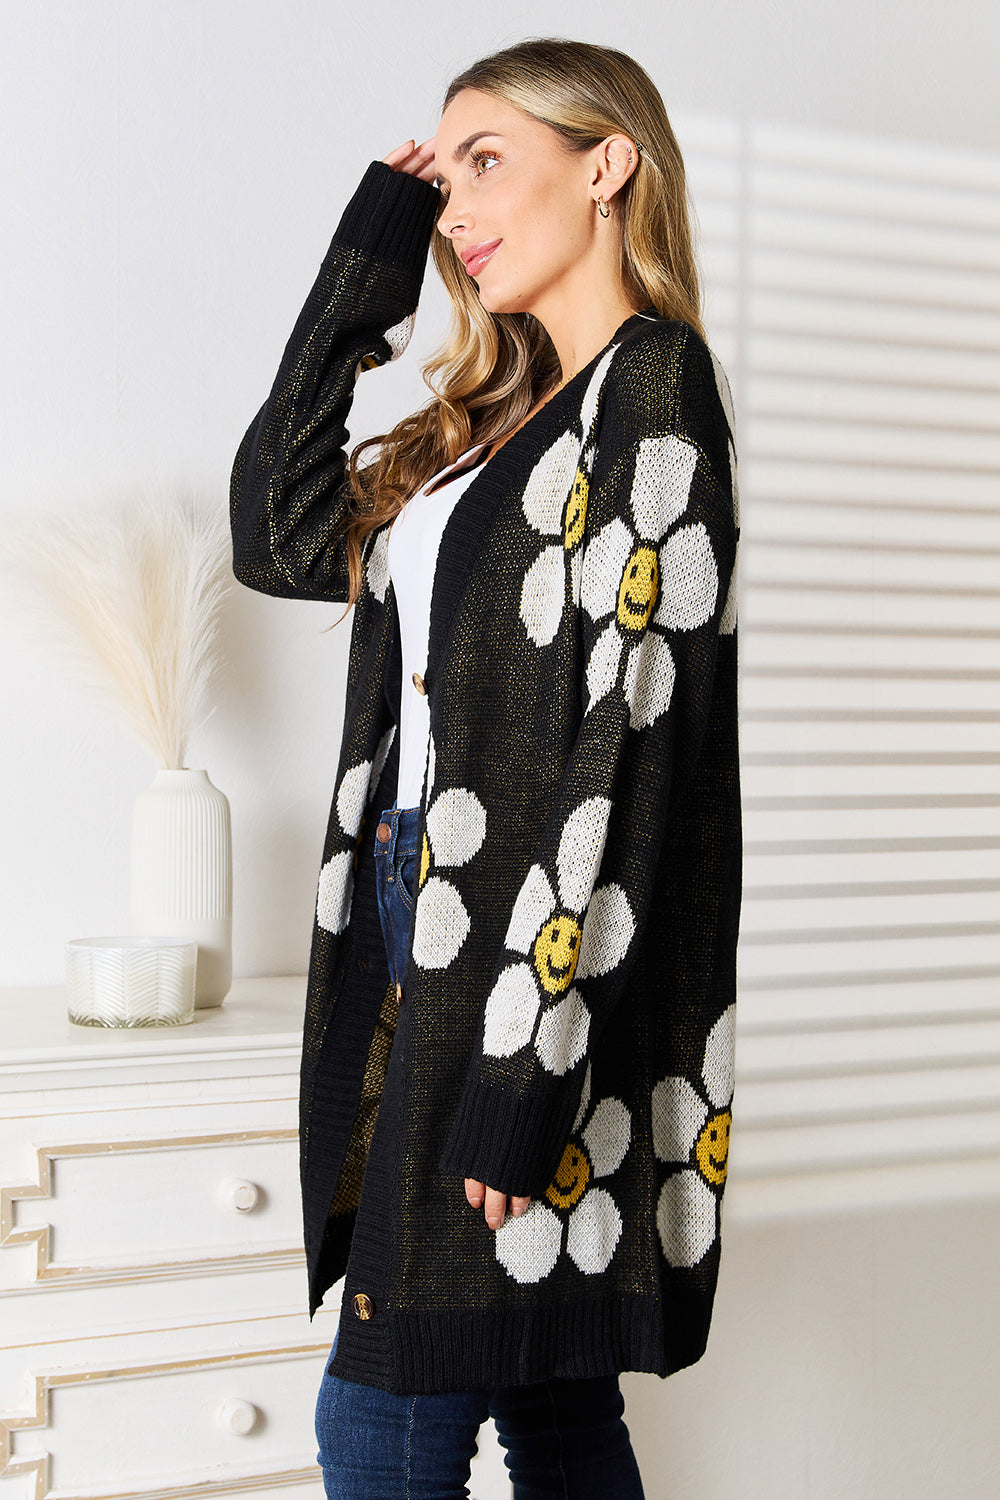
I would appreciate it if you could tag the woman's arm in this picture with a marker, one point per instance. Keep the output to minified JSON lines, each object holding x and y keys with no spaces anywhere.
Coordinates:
{"x":655,"y":603}
{"x":289,"y":492}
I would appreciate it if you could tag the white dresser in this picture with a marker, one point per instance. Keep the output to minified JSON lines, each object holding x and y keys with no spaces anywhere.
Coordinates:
{"x":153,"y":1334}
{"x":153,"y":1285}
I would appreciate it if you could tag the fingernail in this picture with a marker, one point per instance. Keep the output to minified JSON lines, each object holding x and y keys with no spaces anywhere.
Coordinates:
{"x":494,"y":1223}
{"x":517,"y":1211}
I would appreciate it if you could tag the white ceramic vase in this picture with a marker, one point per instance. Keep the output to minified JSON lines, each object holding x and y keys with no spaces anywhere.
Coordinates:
{"x":182,"y":873}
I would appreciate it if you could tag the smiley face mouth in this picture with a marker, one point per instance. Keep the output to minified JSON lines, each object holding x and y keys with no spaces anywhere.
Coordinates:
{"x":638,"y":610}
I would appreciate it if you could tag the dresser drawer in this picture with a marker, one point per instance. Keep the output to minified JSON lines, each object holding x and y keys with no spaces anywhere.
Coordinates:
{"x":122,"y":1208}
{"x":235,"y":1420}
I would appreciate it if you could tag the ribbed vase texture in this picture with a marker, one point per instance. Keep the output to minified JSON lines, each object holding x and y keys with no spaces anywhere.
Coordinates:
{"x":182,"y":873}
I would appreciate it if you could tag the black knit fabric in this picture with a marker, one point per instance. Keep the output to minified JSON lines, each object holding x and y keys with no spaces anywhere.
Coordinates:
{"x":566,"y":1028}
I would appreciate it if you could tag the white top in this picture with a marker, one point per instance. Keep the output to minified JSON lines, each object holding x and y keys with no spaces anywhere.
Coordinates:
{"x":414,"y":541}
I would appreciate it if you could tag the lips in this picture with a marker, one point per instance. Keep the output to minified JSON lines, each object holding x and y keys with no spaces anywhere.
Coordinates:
{"x":476,"y":258}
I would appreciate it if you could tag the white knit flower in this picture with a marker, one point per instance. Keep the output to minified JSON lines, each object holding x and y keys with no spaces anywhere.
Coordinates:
{"x":691,"y":1131}
{"x":454,"y":830}
{"x":336,"y":878}
{"x":377,"y":567}
{"x":533,"y":1000}
{"x":397,"y":337}
{"x":555,"y":506}
{"x":645,"y":580}
{"x":574,"y":1215}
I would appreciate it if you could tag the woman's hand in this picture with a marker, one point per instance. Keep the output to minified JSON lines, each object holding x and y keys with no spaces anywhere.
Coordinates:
{"x":417,"y":160}
{"x":479,"y":1194}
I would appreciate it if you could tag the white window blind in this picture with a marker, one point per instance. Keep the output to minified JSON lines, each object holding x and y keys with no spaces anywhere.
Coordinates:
{"x":853,"y":294}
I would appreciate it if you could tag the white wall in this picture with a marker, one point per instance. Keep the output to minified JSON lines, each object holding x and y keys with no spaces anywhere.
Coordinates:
{"x":172,"y":175}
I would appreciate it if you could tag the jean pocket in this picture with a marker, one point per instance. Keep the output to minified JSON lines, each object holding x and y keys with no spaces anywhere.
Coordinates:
{"x":406,"y":873}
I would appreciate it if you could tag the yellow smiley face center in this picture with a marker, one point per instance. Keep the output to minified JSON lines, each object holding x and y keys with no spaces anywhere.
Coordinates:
{"x":639,"y":588}
{"x":572,"y":1175}
{"x":576,"y":511}
{"x":712,"y":1147}
{"x":425,"y":861}
{"x":557,"y":948}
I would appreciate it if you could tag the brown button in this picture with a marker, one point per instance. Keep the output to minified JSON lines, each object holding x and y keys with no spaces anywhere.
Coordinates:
{"x":383,"y":833}
{"x":363,"y":1306}
{"x":418,"y":683}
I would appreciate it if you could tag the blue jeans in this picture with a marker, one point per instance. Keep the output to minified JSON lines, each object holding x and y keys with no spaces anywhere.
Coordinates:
{"x":564,"y":1439}
{"x":396,"y":867}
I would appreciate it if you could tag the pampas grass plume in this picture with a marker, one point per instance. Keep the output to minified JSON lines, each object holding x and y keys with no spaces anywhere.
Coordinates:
{"x":132,"y":593}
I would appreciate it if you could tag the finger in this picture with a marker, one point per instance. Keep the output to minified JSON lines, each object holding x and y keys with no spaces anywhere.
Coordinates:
{"x":518,"y":1206}
{"x":496,"y":1207}
{"x":475,"y":1192}
{"x":417,"y":160}
{"x":400,"y":154}
{"x":423,"y":164}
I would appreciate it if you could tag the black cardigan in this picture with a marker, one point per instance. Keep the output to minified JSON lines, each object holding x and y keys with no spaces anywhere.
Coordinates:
{"x":567,"y":1023}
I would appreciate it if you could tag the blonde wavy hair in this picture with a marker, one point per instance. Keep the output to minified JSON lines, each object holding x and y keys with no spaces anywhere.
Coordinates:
{"x":494,"y":367}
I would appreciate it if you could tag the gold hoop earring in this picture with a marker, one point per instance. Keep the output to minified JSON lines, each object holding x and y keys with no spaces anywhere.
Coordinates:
{"x":603,"y":209}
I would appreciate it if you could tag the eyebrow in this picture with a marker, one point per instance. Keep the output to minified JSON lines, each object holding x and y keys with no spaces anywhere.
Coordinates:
{"x":463,"y":146}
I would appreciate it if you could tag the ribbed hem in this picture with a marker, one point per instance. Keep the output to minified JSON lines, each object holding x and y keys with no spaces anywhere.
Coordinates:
{"x":467,"y":1350}
{"x":512,"y":1143}
{"x":390,"y":217}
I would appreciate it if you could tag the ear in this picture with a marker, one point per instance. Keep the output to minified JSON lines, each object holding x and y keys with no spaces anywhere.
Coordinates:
{"x":615,"y":159}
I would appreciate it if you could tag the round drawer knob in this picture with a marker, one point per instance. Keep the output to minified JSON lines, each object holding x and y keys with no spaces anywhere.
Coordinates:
{"x":236,"y":1416}
{"x":241,"y":1195}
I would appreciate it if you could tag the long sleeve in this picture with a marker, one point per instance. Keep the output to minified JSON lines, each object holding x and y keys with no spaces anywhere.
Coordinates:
{"x":659,"y":561}
{"x":289,"y":492}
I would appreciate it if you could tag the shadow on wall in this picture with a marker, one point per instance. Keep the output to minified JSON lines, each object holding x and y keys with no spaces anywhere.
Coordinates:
{"x":853,"y":293}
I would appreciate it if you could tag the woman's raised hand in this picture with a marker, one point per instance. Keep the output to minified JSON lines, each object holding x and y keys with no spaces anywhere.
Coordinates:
{"x":417,"y":160}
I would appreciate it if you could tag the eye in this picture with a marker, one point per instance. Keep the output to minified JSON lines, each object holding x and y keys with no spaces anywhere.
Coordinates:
{"x":478,"y":157}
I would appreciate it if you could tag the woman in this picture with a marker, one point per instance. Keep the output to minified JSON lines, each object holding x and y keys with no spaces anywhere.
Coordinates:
{"x":517,"y":1060}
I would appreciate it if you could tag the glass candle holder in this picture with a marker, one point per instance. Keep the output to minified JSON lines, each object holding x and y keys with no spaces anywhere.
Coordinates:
{"x":131,"y":981}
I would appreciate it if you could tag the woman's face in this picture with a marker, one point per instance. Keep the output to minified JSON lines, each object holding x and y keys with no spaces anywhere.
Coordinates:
{"x":511,"y":188}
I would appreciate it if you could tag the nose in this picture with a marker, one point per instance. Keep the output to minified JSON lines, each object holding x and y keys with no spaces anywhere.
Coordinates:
{"x":454,"y":218}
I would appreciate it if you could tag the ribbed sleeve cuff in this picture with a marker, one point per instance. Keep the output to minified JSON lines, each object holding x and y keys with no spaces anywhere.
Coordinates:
{"x":390,"y":217}
{"x":513,"y":1143}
